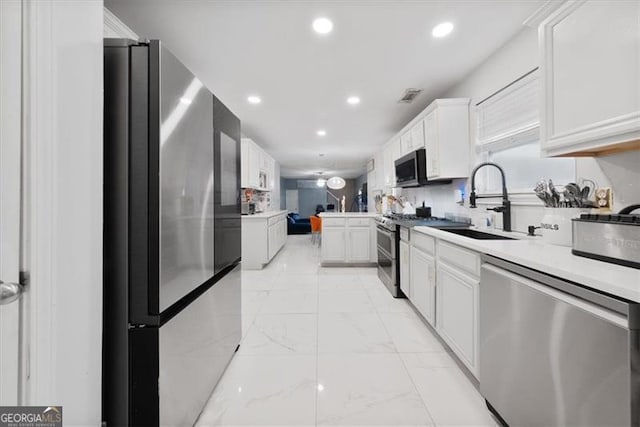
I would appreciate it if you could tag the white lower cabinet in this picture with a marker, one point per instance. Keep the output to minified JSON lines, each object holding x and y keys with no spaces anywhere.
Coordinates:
{"x":405,"y":273}
{"x":263,"y":235}
{"x":423,"y":283}
{"x":348,"y":240}
{"x":334,"y":244}
{"x":458,"y":314}
{"x":358,"y":239}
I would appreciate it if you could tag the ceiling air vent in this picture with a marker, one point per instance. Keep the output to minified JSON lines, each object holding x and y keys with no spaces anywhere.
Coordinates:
{"x":409,"y":95}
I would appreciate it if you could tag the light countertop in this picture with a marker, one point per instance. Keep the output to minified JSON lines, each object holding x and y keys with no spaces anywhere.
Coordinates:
{"x":348,"y":215}
{"x":551,"y":259}
{"x":264,"y":215}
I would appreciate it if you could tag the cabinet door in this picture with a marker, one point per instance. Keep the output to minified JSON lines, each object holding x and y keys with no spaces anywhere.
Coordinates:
{"x":423,"y":282}
{"x":389,"y":169}
{"x":457,"y":308}
{"x":405,"y":283}
{"x":358,"y":239}
{"x":379,"y":170}
{"x":244,"y":164}
{"x":590,"y":76}
{"x":417,"y":135}
{"x":333,"y":244}
{"x":273,"y":240}
{"x":432,"y":144}
{"x":254,"y":166}
{"x":405,"y":142}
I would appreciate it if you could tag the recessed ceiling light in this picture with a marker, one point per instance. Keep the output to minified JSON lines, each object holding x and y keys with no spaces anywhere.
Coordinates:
{"x":322,"y":26}
{"x":321,"y":132}
{"x":353,"y":100}
{"x":185,"y":101}
{"x":253,"y":99}
{"x":442,"y":30}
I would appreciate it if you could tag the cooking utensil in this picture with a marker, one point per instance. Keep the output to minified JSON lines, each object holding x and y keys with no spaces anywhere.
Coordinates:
{"x":555,"y":196}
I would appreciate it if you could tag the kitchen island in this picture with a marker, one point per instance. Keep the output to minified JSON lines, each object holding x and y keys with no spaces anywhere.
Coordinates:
{"x":348,"y":239}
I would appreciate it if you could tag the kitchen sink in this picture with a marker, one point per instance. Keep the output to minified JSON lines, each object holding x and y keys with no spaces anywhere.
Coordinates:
{"x":475,"y":234}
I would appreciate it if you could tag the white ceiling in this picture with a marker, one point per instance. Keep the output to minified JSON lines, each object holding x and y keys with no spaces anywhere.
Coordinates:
{"x":376,"y":50}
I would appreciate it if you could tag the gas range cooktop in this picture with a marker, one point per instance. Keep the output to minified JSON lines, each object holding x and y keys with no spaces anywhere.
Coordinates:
{"x":390,"y":221}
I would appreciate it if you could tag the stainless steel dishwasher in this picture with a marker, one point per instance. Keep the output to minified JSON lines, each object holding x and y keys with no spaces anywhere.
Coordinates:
{"x":554,"y":353}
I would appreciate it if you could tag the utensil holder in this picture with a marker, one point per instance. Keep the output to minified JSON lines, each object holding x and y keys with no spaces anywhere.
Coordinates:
{"x":556,"y":225}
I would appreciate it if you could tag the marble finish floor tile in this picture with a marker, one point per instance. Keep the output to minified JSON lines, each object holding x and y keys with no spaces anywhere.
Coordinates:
{"x":344,"y":302}
{"x":340,"y":282}
{"x":331,"y":346}
{"x":295,"y":282}
{"x":385,"y":303}
{"x":280,"y":302}
{"x":349,"y":394}
{"x":449,"y":395}
{"x":340,"y":333}
{"x":410,"y":334}
{"x":264,"y":390}
{"x":282,"y":334}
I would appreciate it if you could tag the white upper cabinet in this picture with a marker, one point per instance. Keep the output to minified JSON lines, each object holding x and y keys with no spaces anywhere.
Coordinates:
{"x":590,"y":74}
{"x":446,"y":138}
{"x":258,"y":169}
{"x":417,"y":136}
{"x":391,"y":154}
{"x":405,"y":142}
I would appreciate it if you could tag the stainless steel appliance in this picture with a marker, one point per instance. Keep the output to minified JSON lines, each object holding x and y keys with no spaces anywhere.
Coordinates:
{"x":171,"y":237}
{"x":611,"y":238}
{"x":411,"y":169}
{"x":389,"y":244}
{"x":248,"y":208}
{"x":554,"y":353}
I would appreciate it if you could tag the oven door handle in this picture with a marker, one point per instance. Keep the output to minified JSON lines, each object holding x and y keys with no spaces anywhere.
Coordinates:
{"x":385,"y":253}
{"x":384,"y":231}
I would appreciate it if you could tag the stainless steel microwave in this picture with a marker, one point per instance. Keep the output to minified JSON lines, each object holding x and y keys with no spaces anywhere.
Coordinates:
{"x":411,"y":169}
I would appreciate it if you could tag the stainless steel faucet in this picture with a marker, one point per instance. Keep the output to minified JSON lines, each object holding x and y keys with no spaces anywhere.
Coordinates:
{"x":505,"y":209}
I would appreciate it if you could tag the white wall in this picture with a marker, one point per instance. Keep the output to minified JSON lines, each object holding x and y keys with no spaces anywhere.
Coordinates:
{"x":512,"y":60}
{"x":63,"y":87}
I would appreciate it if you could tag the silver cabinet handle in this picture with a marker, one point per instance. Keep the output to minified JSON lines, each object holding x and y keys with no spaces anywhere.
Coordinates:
{"x":9,"y":292}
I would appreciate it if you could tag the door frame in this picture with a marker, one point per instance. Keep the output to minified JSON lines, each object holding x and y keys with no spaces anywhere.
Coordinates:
{"x":62,"y":182}
{"x":10,"y":169}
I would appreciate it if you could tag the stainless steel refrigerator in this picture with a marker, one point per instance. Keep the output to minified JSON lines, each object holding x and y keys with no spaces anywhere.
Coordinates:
{"x":171,"y":237}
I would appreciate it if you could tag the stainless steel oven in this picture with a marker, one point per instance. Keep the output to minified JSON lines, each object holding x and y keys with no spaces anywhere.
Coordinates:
{"x":387,"y":259}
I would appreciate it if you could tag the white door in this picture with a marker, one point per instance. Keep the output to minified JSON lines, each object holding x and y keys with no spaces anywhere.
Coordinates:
{"x":10,"y":134}
{"x":292,"y":201}
{"x":334,"y":244}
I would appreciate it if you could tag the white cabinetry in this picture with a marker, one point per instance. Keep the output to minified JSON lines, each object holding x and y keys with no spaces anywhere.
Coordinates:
{"x":348,"y":240}
{"x":391,"y":154}
{"x":423,"y":283}
{"x":405,"y":269}
{"x":263,"y":235}
{"x":417,"y":136}
{"x":446,"y":138}
{"x":590,"y":74}
{"x":334,"y":244}
{"x":457,"y":308}
{"x":457,"y":302}
{"x":358,"y":244}
{"x":258,"y":169}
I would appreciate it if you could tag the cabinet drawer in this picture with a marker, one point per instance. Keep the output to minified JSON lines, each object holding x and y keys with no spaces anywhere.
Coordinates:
{"x":358,"y":222}
{"x":333,"y":222}
{"x":457,"y":256}
{"x":423,"y":242}
{"x":275,"y":219}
